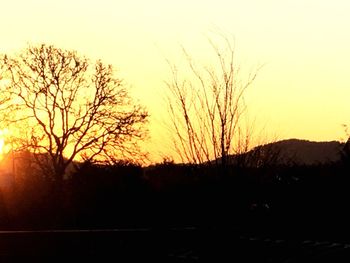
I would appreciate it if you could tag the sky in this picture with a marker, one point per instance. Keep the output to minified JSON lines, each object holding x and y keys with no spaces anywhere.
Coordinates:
{"x":302,"y":91}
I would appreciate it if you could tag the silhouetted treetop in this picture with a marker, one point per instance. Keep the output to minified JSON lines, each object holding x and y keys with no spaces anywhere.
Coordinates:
{"x":67,"y":107}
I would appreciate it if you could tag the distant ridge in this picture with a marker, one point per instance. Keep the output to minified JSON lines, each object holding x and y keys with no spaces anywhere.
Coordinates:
{"x":290,"y":152}
{"x":304,"y":152}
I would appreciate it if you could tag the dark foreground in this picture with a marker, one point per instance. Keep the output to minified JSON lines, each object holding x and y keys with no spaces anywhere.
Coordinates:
{"x":171,"y":245}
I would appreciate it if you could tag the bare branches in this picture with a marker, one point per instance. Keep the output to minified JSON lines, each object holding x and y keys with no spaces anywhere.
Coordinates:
{"x":76,"y":108}
{"x":206,"y":107}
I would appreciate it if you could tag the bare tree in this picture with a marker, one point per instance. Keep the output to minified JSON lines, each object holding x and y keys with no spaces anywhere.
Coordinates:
{"x":206,"y":108}
{"x":345,"y":151}
{"x":72,"y":108}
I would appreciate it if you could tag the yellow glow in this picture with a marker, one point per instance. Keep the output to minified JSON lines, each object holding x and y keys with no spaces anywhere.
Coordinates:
{"x":3,"y":147}
{"x":2,"y":142}
{"x":303,"y":91}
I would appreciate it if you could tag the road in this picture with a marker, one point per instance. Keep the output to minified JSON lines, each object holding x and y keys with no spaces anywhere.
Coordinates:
{"x":170,"y":245}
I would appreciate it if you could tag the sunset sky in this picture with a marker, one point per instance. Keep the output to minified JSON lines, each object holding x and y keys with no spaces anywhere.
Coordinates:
{"x":302,"y":91}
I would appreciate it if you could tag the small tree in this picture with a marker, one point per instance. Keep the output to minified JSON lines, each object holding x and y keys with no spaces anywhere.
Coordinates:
{"x":345,"y":151}
{"x":68,"y":107}
{"x":206,"y":108}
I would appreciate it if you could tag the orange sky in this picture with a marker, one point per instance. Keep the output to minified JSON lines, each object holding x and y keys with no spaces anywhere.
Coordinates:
{"x":302,"y":91}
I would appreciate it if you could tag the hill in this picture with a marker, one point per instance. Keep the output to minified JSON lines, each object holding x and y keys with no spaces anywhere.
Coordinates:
{"x":293,"y":151}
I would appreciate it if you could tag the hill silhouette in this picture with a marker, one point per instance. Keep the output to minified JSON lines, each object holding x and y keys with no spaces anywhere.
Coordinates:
{"x":293,"y":151}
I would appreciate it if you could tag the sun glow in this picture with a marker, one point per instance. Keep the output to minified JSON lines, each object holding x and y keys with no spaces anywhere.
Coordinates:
{"x":3,"y":135}
{"x":2,"y":142}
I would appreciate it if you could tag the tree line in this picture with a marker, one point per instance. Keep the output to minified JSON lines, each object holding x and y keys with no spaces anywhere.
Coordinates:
{"x":75,"y":134}
{"x":62,"y":107}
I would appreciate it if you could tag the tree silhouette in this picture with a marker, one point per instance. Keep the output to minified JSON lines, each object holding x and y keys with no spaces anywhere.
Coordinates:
{"x":71,"y":108}
{"x":206,"y":106}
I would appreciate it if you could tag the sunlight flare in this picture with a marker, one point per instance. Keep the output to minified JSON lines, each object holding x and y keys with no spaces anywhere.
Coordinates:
{"x":3,"y":134}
